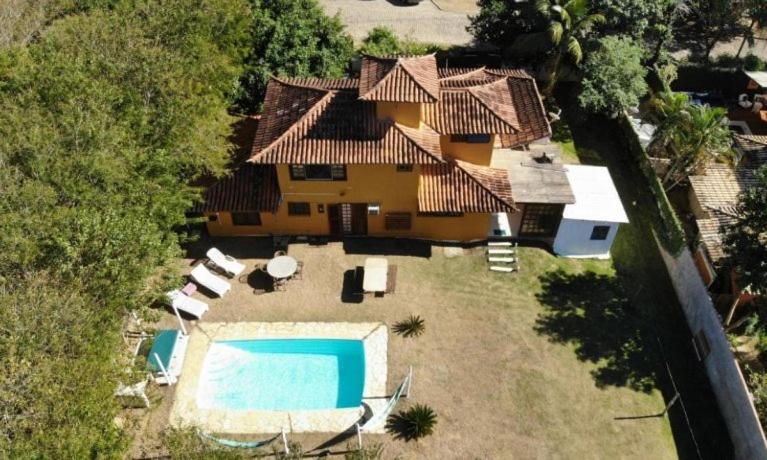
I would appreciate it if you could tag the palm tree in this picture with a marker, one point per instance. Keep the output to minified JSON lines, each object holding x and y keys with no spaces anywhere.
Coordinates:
{"x":691,"y":136}
{"x":567,"y":23}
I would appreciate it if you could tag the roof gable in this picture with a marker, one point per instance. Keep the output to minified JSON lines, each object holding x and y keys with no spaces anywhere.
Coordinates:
{"x":399,"y":79}
{"x":457,"y":186}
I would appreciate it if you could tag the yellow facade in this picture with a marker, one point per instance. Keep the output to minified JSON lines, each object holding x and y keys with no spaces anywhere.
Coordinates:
{"x":395,"y":192}
{"x":479,"y":153}
{"x":404,"y":113}
{"x":382,"y":184}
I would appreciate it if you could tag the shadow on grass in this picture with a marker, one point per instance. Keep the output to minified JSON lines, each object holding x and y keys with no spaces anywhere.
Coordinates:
{"x":399,"y":428}
{"x":387,"y":246}
{"x":592,"y":312}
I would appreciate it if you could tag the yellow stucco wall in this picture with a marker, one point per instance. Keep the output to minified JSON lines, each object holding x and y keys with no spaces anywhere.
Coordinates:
{"x":394,"y":191}
{"x":479,"y":154}
{"x":405,"y":113}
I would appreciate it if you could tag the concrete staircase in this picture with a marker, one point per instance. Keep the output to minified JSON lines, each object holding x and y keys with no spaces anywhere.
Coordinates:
{"x":502,"y":256}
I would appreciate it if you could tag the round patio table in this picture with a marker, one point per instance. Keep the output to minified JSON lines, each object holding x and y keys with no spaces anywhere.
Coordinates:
{"x":282,"y":267}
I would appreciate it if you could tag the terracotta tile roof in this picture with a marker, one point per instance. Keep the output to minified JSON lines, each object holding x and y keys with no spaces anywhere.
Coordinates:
{"x":399,"y":79}
{"x":457,"y":186}
{"x":307,"y":125}
{"x":754,"y":148}
{"x":326,"y":83}
{"x":250,"y":188}
{"x":495,"y":101}
{"x":717,"y":192}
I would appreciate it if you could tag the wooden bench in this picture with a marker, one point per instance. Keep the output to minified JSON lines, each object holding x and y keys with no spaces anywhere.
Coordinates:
{"x":391,"y":279}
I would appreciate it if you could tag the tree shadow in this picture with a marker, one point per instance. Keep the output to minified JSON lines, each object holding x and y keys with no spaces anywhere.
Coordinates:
{"x":399,"y":428}
{"x":387,"y":246}
{"x":592,"y":312}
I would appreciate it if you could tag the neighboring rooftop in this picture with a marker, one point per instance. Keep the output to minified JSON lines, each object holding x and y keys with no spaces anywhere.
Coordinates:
{"x":717,"y":192}
{"x":596,"y":198}
{"x":753,"y":147}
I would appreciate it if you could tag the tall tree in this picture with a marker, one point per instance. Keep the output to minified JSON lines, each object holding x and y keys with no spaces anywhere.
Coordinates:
{"x":709,"y":22}
{"x":291,"y":38}
{"x":568,"y":24}
{"x":746,"y":241}
{"x":690,"y":136}
{"x":613,"y":77}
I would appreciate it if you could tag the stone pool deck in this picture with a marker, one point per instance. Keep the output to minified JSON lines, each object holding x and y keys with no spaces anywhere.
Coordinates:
{"x":186,"y":412}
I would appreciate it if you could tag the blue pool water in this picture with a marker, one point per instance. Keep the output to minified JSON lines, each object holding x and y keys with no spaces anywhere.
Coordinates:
{"x":282,"y":374}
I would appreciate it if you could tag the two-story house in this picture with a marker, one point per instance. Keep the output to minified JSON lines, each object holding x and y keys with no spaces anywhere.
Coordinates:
{"x":405,"y":150}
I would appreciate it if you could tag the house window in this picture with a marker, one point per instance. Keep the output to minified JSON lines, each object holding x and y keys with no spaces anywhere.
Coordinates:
{"x":541,"y":220}
{"x":246,"y":218}
{"x":398,"y":221}
{"x":318,"y":172}
{"x":405,"y":167}
{"x":600,"y":232}
{"x":298,"y":209}
{"x":470,"y":138}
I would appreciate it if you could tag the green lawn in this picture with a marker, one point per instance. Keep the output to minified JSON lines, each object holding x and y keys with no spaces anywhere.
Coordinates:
{"x":640,"y":267}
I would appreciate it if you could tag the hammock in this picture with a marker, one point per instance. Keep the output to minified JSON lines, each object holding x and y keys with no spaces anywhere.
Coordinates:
{"x":238,"y":444}
{"x":380,"y":417}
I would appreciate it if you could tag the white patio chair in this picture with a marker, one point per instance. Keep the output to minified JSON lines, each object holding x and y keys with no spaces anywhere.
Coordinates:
{"x":182,"y":302}
{"x":226,"y":263}
{"x":204,"y":277}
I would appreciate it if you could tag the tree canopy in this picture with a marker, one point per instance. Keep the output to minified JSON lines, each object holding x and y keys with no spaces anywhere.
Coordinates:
{"x":105,"y":119}
{"x":613,"y":77}
{"x":294,"y":38}
{"x":746,"y":241}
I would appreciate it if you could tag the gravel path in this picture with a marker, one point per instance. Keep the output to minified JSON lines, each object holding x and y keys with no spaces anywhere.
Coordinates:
{"x":423,"y":22}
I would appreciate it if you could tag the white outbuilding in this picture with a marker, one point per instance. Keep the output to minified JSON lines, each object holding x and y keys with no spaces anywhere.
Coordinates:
{"x":589,"y":225}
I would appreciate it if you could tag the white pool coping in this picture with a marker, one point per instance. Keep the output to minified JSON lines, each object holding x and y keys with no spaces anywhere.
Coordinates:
{"x":185,"y":411}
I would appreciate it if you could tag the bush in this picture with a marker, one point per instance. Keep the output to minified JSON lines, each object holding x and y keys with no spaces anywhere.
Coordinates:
{"x":757,"y":382}
{"x":413,"y":326}
{"x":382,"y":41}
{"x":752,"y":62}
{"x":413,"y":423}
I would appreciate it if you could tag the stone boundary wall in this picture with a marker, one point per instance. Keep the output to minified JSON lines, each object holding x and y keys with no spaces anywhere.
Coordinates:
{"x":733,"y":397}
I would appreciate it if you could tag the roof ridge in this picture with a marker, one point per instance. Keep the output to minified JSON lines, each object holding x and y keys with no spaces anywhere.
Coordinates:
{"x":404,"y":131}
{"x":472,"y":90}
{"x":461,"y":165}
{"x":328,"y":95}
{"x":463,"y":75}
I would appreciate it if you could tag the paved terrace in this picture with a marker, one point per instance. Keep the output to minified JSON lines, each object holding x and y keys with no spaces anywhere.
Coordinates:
{"x":532,"y":365}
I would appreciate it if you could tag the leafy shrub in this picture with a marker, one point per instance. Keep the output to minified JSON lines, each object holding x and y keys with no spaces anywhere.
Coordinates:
{"x":752,"y":62}
{"x":382,"y":41}
{"x":413,"y":423}
{"x":757,"y":383}
{"x":413,"y":326}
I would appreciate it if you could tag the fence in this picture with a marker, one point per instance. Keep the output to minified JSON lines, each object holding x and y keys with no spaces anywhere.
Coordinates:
{"x":729,"y":386}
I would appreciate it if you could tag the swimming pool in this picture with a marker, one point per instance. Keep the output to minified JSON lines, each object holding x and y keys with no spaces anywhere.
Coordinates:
{"x":282,"y":375}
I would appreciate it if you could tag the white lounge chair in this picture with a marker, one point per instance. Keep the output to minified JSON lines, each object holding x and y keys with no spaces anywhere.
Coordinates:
{"x":203,"y":276}
{"x":226,"y":263}
{"x":182,"y":302}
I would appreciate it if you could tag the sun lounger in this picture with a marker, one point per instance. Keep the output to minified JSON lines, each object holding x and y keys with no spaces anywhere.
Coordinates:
{"x":204,"y":277}
{"x":181,"y":302}
{"x":226,"y":263}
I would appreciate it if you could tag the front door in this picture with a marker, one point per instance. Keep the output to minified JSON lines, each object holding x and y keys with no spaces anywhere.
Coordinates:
{"x":348,"y":219}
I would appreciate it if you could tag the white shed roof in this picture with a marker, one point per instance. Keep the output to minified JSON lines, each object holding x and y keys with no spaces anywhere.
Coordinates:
{"x":759,"y":77}
{"x":596,"y":198}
